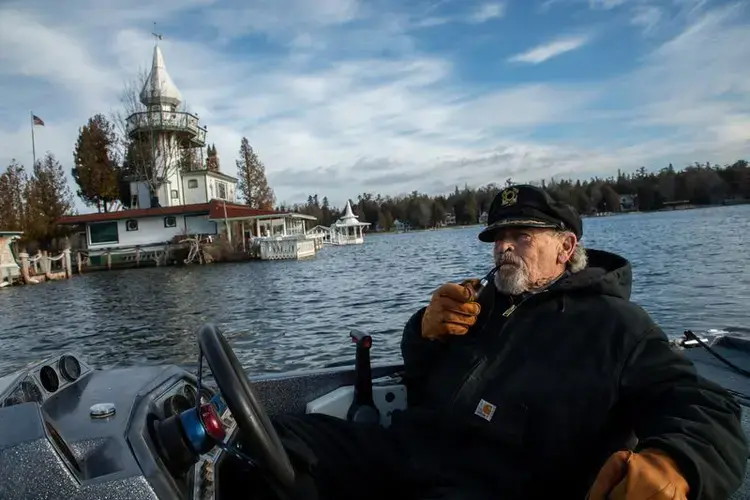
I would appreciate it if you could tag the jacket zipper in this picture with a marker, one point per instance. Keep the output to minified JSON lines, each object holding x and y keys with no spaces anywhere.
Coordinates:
{"x":507,"y":313}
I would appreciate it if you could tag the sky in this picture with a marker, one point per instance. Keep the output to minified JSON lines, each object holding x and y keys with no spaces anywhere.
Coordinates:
{"x":391,"y":96}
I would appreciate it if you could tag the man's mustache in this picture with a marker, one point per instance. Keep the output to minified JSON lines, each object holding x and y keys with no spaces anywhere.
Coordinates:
{"x":508,"y":258}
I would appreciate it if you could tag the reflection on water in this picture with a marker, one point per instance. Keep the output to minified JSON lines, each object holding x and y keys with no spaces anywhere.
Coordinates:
{"x":690,"y":268}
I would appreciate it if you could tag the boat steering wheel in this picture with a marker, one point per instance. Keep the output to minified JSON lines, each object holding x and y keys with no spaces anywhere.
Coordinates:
{"x":249,"y":414}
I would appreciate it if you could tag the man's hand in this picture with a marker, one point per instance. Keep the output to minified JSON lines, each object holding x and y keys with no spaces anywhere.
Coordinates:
{"x":451,"y":311}
{"x":647,"y":475}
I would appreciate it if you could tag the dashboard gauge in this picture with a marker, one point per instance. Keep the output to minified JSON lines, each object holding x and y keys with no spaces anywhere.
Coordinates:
{"x":70,"y":367}
{"x":175,"y":405}
{"x":31,"y":391}
{"x":190,"y":394}
{"x":49,"y":379}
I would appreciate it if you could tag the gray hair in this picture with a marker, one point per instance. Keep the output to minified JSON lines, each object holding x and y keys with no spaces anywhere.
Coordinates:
{"x":580,"y":259}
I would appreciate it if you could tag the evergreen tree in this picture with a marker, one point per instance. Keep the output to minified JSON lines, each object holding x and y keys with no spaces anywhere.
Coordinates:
{"x":253,"y":185}
{"x":12,"y":202}
{"x":96,"y":164}
{"x":212,"y":159}
{"x":48,"y":198}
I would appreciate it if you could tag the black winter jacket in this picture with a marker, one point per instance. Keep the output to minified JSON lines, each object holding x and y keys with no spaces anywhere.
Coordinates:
{"x":565,"y":377}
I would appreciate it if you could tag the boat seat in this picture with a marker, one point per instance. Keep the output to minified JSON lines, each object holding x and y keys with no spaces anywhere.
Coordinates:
{"x":365,"y":401}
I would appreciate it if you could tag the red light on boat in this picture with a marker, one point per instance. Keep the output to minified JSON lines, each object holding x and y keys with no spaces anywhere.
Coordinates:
{"x":212,"y":422}
{"x":366,"y":342}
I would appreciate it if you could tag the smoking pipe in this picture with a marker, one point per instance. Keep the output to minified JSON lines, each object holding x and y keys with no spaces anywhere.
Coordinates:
{"x":484,"y":282}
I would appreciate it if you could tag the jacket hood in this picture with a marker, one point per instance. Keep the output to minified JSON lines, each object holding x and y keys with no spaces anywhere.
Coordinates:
{"x":606,"y":274}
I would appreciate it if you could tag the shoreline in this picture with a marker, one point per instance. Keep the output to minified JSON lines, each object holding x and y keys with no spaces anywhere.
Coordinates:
{"x":583,"y":216}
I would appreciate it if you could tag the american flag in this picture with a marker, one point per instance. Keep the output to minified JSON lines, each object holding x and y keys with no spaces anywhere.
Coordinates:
{"x":37,"y":120}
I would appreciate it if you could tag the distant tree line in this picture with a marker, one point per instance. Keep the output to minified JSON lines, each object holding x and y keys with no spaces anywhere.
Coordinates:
{"x":106,"y":160}
{"x":698,"y":184}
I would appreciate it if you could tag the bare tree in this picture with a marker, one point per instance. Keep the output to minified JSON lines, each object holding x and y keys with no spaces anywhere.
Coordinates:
{"x":130,"y":103}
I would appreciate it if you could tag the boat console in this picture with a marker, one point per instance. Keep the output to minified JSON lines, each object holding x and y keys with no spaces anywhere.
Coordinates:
{"x":68,"y":430}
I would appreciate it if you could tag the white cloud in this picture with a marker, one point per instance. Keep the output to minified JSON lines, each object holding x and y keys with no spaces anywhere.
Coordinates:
{"x":488,"y":11}
{"x":281,"y":17}
{"x":332,"y":114}
{"x":26,"y":53}
{"x":605,"y":4}
{"x":547,"y":51}
{"x":647,"y":17}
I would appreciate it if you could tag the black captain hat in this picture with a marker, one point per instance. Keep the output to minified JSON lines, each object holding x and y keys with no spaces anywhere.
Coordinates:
{"x":529,"y":206}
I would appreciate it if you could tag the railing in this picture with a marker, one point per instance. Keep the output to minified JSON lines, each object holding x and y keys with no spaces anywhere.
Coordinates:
{"x":42,"y":266}
{"x":166,"y":120}
{"x":283,"y":249}
{"x":158,"y":253}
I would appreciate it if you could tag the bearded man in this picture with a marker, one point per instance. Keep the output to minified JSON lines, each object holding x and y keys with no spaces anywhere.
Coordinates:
{"x":549,"y":384}
{"x":560,"y":380}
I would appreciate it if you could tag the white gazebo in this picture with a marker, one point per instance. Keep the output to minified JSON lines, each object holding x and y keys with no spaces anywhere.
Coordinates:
{"x":348,"y":229}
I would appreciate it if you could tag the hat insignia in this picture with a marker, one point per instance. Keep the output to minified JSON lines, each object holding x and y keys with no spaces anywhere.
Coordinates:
{"x":509,"y":196}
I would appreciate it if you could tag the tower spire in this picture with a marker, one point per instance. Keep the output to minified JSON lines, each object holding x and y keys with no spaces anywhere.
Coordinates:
{"x":159,"y":90}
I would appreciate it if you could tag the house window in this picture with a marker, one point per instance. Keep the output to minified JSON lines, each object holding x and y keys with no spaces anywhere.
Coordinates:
{"x":222,"y":188}
{"x":170,"y":221}
{"x":193,"y":184}
{"x":131,"y":225}
{"x":175,"y":194}
{"x":103,"y":232}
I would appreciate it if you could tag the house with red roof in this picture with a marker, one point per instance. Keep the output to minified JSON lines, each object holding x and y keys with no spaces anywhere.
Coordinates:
{"x":152,"y":230}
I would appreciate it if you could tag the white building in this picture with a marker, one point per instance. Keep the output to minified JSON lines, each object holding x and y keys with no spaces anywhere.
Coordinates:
{"x":9,"y":270}
{"x":348,"y":230}
{"x":186,"y":203}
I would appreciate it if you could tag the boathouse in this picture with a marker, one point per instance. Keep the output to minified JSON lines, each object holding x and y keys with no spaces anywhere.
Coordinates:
{"x":149,"y":232}
{"x":273,"y":235}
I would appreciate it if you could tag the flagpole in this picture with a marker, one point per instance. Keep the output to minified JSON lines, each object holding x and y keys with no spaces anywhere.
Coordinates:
{"x":33,"y":143}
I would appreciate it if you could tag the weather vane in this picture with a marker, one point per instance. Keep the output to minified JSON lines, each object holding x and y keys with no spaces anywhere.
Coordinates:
{"x":157,"y":36}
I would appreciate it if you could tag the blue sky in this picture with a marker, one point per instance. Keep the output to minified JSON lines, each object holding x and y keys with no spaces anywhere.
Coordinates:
{"x":390,"y":96}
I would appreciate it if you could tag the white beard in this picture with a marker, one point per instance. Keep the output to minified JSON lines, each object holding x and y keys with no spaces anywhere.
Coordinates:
{"x":512,"y":278}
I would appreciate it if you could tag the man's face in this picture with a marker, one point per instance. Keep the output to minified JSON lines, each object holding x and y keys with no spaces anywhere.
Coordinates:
{"x":529,"y":258}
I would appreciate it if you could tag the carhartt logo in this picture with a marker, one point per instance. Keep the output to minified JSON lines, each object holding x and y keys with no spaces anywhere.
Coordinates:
{"x":485,"y":409}
{"x":509,"y":197}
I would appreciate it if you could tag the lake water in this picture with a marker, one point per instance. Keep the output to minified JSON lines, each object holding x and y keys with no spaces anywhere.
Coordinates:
{"x":691,"y":271}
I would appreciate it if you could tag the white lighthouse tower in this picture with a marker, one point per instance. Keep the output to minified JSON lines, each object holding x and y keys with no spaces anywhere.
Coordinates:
{"x":161,"y":133}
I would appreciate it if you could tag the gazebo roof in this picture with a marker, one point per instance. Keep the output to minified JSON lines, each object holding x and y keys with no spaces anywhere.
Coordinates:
{"x":349,"y":219}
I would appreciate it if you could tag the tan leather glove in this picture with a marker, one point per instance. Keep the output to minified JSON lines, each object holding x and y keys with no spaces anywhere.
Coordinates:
{"x":647,"y":475}
{"x":452,"y":310}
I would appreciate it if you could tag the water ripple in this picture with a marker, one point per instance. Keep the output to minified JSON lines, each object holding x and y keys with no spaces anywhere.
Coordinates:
{"x":690,"y":268}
